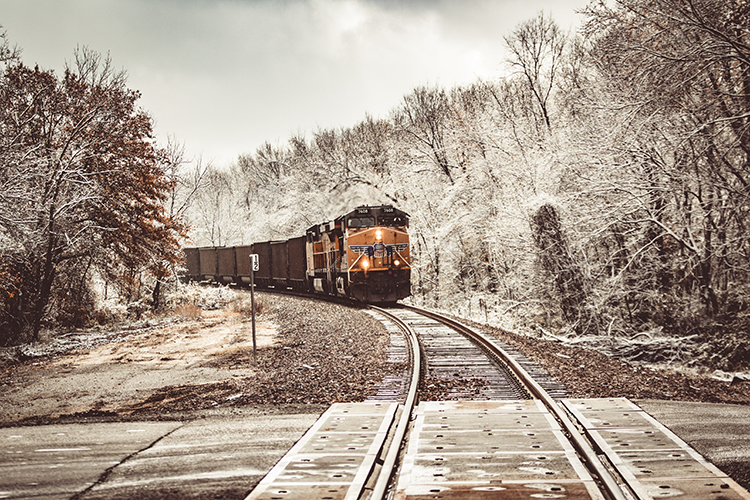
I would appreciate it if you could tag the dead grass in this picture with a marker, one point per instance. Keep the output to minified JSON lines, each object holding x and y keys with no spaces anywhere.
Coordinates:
{"x":215,"y":347}
{"x":244,"y":306}
{"x":189,"y":312}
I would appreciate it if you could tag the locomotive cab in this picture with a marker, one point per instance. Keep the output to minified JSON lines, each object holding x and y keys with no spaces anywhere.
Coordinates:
{"x":363,"y":255}
{"x":377,"y":254}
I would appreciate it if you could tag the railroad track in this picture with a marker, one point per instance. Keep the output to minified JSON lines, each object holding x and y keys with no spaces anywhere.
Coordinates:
{"x":490,"y":424}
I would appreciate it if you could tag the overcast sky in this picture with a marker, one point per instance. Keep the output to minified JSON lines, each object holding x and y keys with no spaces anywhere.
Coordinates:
{"x":224,"y":76}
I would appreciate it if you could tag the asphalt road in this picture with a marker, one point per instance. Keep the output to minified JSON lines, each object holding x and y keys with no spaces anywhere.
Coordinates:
{"x":217,"y":455}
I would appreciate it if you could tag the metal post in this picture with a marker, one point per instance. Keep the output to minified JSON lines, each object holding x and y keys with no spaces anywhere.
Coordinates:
{"x":252,"y":306}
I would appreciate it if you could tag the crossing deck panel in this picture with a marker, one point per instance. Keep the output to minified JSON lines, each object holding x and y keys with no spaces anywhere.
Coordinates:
{"x":651,"y":458}
{"x":490,"y":449}
{"x":334,"y":459}
{"x":494,"y":449}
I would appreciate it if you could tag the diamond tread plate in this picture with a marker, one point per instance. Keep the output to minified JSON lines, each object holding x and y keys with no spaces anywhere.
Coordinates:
{"x":334,"y":459}
{"x":652,"y":459}
{"x":490,"y":449}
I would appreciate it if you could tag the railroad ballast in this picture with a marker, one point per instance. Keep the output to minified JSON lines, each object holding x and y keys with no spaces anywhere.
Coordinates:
{"x":363,"y":255}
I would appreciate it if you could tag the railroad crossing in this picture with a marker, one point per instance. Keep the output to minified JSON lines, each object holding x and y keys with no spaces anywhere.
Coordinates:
{"x":498,"y":449}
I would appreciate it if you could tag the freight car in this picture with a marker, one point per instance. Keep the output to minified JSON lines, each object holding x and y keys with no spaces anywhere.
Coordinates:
{"x":363,"y":255}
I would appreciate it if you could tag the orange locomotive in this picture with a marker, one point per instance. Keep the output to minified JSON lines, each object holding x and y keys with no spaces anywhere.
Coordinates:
{"x":363,"y":255}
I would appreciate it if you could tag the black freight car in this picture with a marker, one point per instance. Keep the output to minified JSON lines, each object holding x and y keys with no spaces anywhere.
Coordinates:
{"x":279,"y":264}
{"x":297,"y":263}
{"x":227,"y":269}
{"x":193,"y":264}
{"x":242,"y":264}
{"x":209,"y":264}
{"x":263,"y":278}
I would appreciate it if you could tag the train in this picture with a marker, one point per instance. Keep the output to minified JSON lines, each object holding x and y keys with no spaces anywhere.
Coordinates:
{"x":362,"y":255}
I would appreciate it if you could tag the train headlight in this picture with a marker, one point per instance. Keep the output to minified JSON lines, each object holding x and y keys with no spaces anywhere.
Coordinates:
{"x":365,"y":264}
{"x":396,"y":262}
{"x":378,"y":234}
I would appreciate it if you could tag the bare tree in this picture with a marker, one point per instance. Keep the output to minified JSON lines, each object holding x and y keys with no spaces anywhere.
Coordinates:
{"x":537,"y":48}
{"x":216,"y":215}
{"x":685,"y":66}
{"x":8,"y":54}
{"x":423,"y":118}
{"x":188,"y":176}
{"x":356,"y":157}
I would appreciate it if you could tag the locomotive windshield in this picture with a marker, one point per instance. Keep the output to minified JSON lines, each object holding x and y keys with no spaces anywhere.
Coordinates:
{"x":361,"y":222}
{"x":391,"y":220}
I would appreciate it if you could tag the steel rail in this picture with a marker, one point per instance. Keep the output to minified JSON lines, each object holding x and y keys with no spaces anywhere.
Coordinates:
{"x":389,"y":462}
{"x":611,"y":487}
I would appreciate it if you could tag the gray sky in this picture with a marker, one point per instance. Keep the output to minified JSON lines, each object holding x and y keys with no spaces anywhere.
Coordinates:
{"x":224,"y":76}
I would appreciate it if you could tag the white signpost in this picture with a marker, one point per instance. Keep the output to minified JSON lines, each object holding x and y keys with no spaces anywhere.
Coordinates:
{"x":254,"y":266}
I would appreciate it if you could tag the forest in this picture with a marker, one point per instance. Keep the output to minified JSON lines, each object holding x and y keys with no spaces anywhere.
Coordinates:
{"x":599,"y":188}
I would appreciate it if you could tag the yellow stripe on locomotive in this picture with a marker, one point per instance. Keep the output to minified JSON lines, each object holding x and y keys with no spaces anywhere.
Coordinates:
{"x":377,"y":249}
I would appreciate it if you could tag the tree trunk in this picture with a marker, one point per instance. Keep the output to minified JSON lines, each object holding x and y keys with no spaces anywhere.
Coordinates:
{"x":45,"y":288}
{"x":156,"y":295}
{"x":555,"y":259}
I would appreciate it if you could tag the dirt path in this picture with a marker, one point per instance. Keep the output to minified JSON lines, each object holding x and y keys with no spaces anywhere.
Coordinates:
{"x":112,"y":376}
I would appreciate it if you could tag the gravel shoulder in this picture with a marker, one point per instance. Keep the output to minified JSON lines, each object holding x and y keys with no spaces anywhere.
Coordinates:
{"x":307,"y":353}
{"x":588,"y":373}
